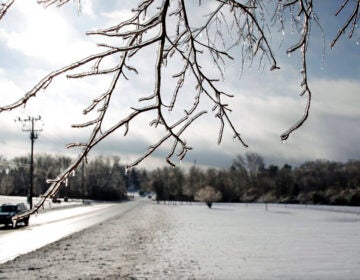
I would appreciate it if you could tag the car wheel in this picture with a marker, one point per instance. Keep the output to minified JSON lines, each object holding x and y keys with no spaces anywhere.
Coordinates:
{"x":26,"y":221}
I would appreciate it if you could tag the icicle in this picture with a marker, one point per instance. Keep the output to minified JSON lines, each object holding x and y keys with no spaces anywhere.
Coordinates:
{"x":79,"y":7}
{"x":66,"y":182}
{"x":322,"y":61}
{"x":144,"y":15}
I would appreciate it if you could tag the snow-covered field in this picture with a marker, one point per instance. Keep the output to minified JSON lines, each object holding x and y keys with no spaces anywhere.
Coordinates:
{"x":239,"y":242}
{"x":230,"y":241}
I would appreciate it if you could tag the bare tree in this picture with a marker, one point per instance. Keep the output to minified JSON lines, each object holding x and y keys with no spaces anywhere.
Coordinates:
{"x":166,"y":26}
{"x":249,"y":165}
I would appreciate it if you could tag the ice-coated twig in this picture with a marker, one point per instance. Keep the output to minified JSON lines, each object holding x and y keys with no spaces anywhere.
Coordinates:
{"x":306,"y":11}
{"x":4,"y":7}
{"x":352,"y":19}
{"x":43,"y":84}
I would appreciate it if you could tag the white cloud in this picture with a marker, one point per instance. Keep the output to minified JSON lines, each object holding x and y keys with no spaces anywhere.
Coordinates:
{"x":45,"y":34}
{"x":117,"y":16}
{"x":337,"y":97}
{"x":9,"y":89}
{"x":87,"y":8}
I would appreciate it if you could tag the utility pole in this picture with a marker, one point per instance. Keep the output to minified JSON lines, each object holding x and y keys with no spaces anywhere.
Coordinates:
{"x":83,"y":181}
{"x":33,"y":136}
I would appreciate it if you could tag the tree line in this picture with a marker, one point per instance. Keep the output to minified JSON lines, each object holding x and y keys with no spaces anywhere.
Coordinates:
{"x":102,"y":178}
{"x":248,"y":179}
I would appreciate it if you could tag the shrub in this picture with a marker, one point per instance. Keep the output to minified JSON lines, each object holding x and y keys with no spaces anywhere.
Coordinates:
{"x":208,"y":195}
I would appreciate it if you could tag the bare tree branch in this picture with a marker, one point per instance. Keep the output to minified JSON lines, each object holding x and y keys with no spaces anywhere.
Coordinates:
{"x":305,"y":10}
{"x":4,"y":7}
{"x":352,"y":19}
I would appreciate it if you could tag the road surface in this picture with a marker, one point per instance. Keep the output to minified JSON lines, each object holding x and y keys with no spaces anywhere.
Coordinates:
{"x":51,"y":226}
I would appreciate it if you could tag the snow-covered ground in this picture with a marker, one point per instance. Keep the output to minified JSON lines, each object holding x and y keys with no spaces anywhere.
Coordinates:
{"x":230,"y":241}
{"x":248,"y":242}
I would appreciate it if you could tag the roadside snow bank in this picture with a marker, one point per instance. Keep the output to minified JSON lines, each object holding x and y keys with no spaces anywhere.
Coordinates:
{"x":48,"y":205}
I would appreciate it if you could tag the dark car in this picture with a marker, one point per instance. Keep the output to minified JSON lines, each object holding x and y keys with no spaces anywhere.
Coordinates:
{"x":7,"y":211}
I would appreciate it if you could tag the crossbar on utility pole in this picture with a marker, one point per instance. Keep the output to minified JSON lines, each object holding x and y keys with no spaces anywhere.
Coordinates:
{"x":33,"y":136}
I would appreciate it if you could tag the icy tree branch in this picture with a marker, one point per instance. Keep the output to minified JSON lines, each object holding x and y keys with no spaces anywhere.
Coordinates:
{"x":4,"y":7}
{"x":351,"y":20}
{"x":306,"y":11}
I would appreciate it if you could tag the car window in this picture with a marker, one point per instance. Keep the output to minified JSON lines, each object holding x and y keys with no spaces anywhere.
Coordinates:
{"x":8,"y":208}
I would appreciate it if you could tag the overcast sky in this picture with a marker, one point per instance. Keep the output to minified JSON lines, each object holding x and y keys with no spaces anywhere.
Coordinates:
{"x":35,"y":41}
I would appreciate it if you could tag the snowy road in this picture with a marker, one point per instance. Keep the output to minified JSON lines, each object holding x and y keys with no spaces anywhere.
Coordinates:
{"x":51,"y":226}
